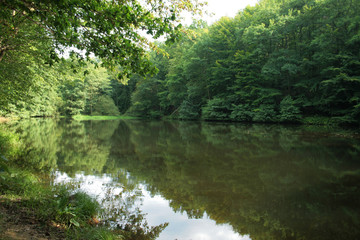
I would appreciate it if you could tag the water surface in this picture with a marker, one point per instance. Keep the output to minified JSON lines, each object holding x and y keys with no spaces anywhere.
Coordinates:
{"x":212,"y":181}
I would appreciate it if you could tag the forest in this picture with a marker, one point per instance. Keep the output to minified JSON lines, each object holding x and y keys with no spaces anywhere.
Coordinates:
{"x":278,"y":61}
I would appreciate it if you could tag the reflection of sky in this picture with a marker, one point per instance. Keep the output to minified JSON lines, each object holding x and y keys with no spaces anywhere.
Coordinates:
{"x":158,"y":211}
{"x":92,"y":185}
{"x":182,"y":228}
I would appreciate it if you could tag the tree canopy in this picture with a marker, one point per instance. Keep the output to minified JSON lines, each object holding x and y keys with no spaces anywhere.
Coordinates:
{"x":36,"y":34}
{"x":278,"y":61}
{"x":111,"y":30}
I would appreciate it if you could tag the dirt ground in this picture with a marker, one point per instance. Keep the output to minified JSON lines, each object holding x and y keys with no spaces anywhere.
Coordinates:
{"x":18,"y":224}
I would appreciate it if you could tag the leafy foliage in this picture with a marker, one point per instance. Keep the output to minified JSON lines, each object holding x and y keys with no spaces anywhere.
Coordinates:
{"x":110,"y":30}
{"x":105,"y":106}
{"x":216,"y":109}
{"x":289,"y":112}
{"x":278,"y":61}
{"x":35,"y":35}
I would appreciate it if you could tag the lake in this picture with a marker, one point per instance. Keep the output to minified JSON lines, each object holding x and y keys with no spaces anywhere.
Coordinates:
{"x":209,"y":181}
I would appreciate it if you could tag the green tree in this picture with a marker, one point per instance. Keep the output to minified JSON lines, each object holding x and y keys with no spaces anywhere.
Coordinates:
{"x":39,"y":32}
{"x":110,"y":30}
{"x":277,"y":61}
{"x":105,"y":106}
{"x":289,"y":112}
{"x":145,"y":100}
{"x":41,"y":97}
{"x":22,"y":72}
{"x":72,"y":93}
{"x":121,"y":93}
{"x":96,"y":84}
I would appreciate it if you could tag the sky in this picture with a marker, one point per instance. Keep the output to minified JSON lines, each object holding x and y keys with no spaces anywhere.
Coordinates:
{"x":227,"y":8}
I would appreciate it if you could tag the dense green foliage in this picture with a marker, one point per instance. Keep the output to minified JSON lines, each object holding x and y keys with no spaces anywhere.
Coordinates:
{"x":65,"y":91}
{"x":36,"y":34}
{"x":279,"y":61}
{"x":108,"y":29}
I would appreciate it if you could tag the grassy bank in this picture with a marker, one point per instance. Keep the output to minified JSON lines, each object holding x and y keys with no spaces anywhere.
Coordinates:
{"x":30,"y":205}
{"x":55,"y":210}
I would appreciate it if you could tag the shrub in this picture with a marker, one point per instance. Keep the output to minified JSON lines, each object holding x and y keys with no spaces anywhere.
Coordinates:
{"x":288,"y":111}
{"x":216,"y":109}
{"x":189,"y":111}
{"x":242,"y":113}
{"x":105,"y":106}
{"x":75,"y":209}
{"x":265,"y":113}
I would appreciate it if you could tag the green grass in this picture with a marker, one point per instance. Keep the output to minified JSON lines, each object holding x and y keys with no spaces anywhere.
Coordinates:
{"x":87,"y":117}
{"x":73,"y":211}
{"x":23,"y":191}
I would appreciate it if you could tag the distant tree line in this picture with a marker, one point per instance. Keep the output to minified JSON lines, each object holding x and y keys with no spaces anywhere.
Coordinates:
{"x":279,"y":61}
{"x":66,"y":91}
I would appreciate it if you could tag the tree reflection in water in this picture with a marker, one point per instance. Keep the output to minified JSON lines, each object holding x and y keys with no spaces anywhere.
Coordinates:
{"x":268,"y":181}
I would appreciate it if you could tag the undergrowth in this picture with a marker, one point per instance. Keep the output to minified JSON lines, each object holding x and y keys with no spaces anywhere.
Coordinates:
{"x":74,"y":213}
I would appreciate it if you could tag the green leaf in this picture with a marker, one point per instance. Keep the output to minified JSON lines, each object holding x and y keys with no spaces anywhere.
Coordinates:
{"x":74,"y":222}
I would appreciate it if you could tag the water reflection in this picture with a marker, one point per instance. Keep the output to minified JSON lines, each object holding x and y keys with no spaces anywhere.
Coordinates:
{"x":181,"y":227}
{"x":266,"y":181}
{"x":156,"y":208}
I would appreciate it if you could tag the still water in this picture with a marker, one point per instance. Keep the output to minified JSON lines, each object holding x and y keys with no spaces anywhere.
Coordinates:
{"x":211,"y":181}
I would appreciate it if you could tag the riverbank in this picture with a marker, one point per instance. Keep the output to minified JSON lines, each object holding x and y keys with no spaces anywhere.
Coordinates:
{"x":17,"y":222}
{"x":32,"y":206}
{"x":309,"y":120}
{"x":33,"y":209}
